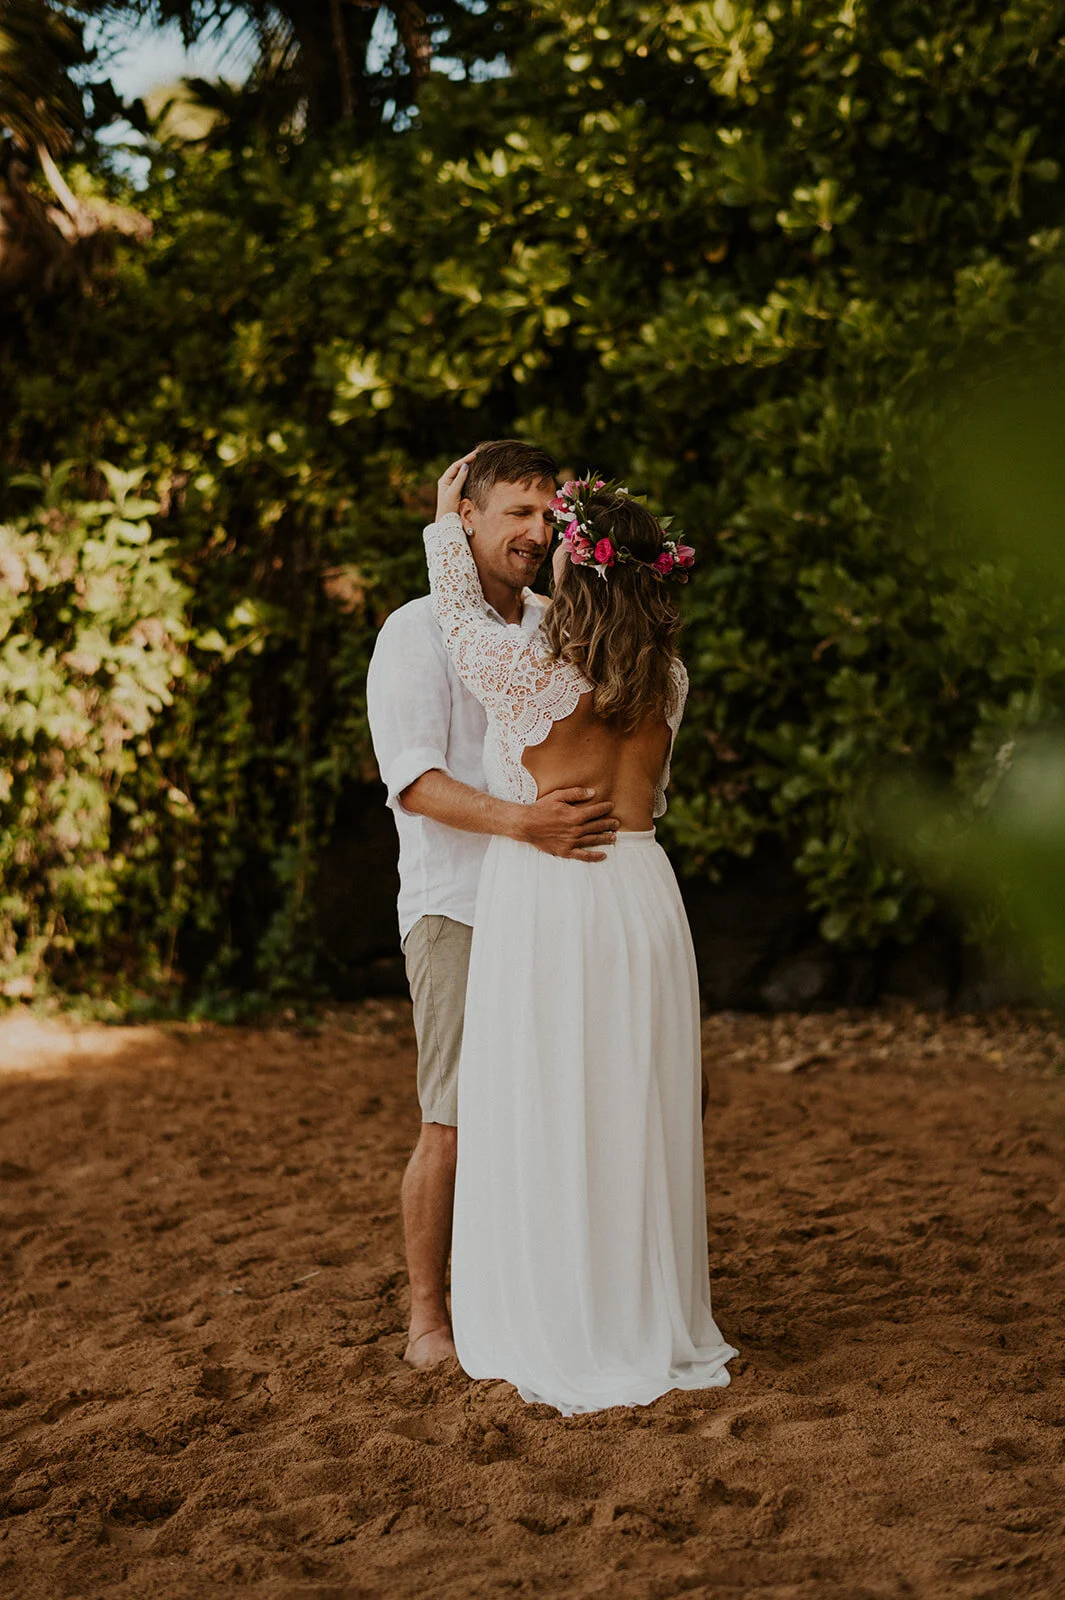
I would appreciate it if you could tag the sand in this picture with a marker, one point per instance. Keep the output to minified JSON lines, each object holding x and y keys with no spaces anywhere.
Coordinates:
{"x":203,"y":1303}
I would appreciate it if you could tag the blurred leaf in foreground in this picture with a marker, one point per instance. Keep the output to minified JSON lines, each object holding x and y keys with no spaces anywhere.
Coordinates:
{"x":1006,"y":865}
{"x":1009,"y":472}
{"x":1000,"y":852}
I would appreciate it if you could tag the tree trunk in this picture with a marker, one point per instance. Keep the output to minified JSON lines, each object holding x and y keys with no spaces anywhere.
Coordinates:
{"x":340,"y":41}
{"x":45,"y":247}
{"x":417,"y":45}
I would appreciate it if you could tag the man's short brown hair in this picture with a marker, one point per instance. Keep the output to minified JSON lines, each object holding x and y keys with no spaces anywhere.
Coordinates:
{"x":506,"y":461}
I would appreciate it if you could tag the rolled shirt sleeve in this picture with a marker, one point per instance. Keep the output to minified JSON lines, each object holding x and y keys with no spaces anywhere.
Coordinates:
{"x":408,"y":703}
{"x":407,"y":767}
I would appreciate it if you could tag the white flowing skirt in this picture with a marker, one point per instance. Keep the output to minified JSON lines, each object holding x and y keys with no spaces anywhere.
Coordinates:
{"x":579,"y":1258}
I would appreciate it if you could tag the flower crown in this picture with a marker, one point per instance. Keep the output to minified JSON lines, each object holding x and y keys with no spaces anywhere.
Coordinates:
{"x":589,"y":549}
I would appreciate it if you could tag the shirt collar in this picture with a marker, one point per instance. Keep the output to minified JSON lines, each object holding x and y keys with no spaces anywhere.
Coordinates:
{"x":533,"y":606}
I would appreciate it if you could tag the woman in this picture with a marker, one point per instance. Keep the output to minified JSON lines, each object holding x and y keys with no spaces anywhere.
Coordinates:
{"x":579,"y":1258}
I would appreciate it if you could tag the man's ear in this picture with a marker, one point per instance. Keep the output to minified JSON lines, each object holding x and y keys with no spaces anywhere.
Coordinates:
{"x":466,"y":509}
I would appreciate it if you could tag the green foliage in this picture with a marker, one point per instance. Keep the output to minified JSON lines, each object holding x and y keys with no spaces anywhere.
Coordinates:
{"x":724,"y":251}
{"x":91,"y":644}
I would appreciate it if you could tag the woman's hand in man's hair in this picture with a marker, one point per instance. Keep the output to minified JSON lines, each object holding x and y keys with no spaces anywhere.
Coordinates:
{"x":449,"y":486}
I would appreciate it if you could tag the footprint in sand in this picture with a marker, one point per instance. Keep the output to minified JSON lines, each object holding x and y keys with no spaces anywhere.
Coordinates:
{"x":29,"y":1492}
{"x":228,"y":1383}
{"x":1026,"y":1520}
{"x":719,"y":1493}
{"x":70,"y":1402}
{"x":138,"y":1509}
{"x":423,"y":1427}
{"x":1002,"y":1455}
{"x":635,"y":1521}
{"x":131,"y":1522}
{"x":805,"y":1409}
{"x":750,"y":1424}
{"x":734,"y":1425}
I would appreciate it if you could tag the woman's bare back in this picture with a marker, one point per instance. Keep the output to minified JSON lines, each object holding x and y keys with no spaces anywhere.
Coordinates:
{"x":624,"y":768}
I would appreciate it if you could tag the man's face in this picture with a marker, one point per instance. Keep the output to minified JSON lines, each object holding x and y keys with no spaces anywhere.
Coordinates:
{"x":512,"y":532}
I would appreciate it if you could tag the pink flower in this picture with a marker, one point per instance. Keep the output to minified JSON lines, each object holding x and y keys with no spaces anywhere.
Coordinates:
{"x":560,"y":503}
{"x":571,"y":488}
{"x":685,"y":555}
{"x":604,"y":553}
{"x":600,"y":483}
{"x":580,"y":551}
{"x":663,"y":563}
{"x":571,"y":531}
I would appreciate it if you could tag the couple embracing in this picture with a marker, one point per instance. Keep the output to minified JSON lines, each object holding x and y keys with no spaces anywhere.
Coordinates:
{"x":525,"y":746}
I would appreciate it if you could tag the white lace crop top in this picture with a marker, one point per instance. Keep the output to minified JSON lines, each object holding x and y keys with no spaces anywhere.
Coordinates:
{"x":523,"y":690}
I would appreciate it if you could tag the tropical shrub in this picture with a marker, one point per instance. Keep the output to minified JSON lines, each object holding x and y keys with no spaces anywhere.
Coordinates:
{"x":731,"y":253}
{"x":92,"y":632}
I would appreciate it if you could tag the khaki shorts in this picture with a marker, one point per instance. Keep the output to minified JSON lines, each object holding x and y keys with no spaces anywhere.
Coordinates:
{"x":437,"y":952}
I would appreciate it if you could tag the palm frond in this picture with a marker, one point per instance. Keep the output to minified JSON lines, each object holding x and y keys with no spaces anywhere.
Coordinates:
{"x":39,"y":102}
{"x":311,"y":56}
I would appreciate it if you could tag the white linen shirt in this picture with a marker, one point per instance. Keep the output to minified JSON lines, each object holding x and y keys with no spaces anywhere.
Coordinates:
{"x":424,"y":719}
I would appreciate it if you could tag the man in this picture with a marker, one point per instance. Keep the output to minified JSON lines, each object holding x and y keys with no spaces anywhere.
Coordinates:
{"x":428,"y":735}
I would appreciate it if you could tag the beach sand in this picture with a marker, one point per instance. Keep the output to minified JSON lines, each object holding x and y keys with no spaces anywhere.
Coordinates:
{"x":202,"y":1304}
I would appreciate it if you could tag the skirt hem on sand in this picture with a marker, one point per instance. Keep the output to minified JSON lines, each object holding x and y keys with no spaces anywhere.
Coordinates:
{"x":579,"y":1260}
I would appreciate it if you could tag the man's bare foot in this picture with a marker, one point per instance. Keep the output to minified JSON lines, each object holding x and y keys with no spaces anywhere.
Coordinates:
{"x":430,"y":1348}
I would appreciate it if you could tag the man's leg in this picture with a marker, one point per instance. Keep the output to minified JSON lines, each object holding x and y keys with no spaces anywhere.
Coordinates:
{"x":428,"y":1196}
{"x":437,"y":952}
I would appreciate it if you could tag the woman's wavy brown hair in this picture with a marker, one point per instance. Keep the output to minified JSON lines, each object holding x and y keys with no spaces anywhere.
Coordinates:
{"x":620,"y":633}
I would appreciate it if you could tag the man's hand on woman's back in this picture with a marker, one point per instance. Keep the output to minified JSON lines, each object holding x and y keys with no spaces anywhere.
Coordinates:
{"x":566,"y":822}
{"x":571,"y":823}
